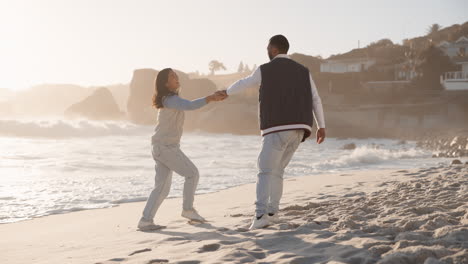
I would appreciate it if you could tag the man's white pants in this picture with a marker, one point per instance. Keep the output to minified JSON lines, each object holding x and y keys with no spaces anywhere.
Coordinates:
{"x":277,"y":150}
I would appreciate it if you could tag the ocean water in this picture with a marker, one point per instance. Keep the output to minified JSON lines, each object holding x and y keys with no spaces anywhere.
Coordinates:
{"x":51,"y":167}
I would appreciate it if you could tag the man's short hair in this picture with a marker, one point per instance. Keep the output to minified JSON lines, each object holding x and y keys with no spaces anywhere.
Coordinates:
{"x":280,"y":42}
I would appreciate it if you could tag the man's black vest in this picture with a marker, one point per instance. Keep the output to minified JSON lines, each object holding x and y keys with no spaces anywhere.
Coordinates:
{"x":285,"y":95}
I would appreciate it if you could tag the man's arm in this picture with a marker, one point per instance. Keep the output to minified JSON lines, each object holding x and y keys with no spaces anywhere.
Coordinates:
{"x":253,"y":80}
{"x":317,"y":109}
{"x":317,"y":105}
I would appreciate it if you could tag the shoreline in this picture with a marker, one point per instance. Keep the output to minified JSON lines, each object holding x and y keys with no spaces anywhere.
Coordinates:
{"x":143,"y":200}
{"x":307,"y":234}
{"x":115,"y":204}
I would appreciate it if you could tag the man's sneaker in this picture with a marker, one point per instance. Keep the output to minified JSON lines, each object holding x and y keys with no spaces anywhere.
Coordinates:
{"x":274,"y":218}
{"x":261,"y":222}
{"x":145,"y":225}
{"x":193,"y":215}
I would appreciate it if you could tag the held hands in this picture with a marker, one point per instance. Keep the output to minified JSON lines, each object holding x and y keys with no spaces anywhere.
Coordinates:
{"x":217,"y":96}
{"x":320,"y":135}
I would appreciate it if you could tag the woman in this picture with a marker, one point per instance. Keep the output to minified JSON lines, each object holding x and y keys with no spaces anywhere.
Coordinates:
{"x":166,"y":148}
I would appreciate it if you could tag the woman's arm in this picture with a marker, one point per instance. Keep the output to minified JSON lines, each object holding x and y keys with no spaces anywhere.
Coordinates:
{"x":176,"y":102}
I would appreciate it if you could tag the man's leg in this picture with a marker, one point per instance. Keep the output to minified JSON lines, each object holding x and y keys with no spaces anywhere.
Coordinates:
{"x":268,"y":166}
{"x":292,"y":138}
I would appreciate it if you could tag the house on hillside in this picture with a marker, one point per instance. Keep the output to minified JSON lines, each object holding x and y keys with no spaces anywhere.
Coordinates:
{"x":347,"y":65}
{"x":456,"y":81}
{"x":406,"y":71}
{"x":455,"y":49}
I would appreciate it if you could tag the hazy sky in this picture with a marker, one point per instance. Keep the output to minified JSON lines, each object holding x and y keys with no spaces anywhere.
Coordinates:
{"x":98,"y":42}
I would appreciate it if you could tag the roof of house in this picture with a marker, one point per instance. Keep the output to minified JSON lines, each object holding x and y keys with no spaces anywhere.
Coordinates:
{"x":462,"y":39}
{"x":349,"y":60}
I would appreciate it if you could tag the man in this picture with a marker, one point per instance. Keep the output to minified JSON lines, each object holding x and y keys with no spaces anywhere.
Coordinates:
{"x":288,"y":103}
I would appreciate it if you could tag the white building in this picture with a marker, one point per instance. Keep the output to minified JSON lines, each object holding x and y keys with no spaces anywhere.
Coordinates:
{"x":406,"y":71}
{"x":346,"y":65}
{"x":457,"y":81}
{"x":455,"y":49}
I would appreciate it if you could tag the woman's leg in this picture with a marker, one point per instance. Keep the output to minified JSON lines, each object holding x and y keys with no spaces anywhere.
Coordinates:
{"x":178,"y":162}
{"x":161,"y":189}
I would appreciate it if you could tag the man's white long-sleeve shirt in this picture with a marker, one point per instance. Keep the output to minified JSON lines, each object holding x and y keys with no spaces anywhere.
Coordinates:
{"x":255,"y":79}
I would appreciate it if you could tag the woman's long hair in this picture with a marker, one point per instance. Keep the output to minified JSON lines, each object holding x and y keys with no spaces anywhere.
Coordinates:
{"x":160,"y":88}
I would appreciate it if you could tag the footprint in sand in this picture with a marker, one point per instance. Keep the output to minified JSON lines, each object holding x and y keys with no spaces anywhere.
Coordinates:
{"x":117,"y":259}
{"x":293,"y":213}
{"x":145,"y":241}
{"x":175,"y":238}
{"x":236,"y":215}
{"x":157,"y":261}
{"x":242,"y":229}
{"x":288,"y":226}
{"x":196,"y":223}
{"x":258,"y":254}
{"x":140,"y":251}
{"x":325,"y":196}
{"x":232,"y":242}
{"x":354,"y":194}
{"x":209,"y":248}
{"x":306,"y":260}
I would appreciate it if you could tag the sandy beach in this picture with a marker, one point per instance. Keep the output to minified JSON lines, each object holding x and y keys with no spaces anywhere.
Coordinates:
{"x":383,"y":216}
{"x":180,"y":108}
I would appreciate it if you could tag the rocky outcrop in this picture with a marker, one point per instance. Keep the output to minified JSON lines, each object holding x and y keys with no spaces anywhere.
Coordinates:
{"x":447,"y":145}
{"x":225,"y":117}
{"x":139,"y":106}
{"x":196,"y":88}
{"x":100,"y":105}
{"x":142,"y":86}
{"x":349,"y":146}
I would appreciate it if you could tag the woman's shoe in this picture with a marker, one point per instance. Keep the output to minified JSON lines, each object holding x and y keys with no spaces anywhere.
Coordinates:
{"x":145,"y":225}
{"x":193,"y":215}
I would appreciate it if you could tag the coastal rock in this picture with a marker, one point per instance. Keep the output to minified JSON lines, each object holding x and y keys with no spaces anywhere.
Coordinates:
{"x":139,"y":106}
{"x":195,"y":88}
{"x":455,"y":141}
{"x":225,"y":118}
{"x":142,"y":86}
{"x":447,"y":146}
{"x":456,"y":162}
{"x":100,"y":105}
{"x":349,"y":146}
